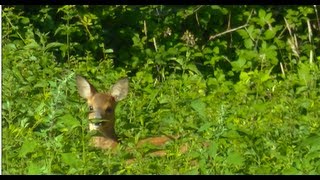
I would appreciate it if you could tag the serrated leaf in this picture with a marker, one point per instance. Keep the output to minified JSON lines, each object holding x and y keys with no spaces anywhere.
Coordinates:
{"x":312,"y":140}
{"x":231,"y":133}
{"x":269,"y":34}
{"x":71,"y":159}
{"x":248,"y":43}
{"x":212,"y":149}
{"x":199,"y":107}
{"x":301,"y":89}
{"x":178,"y":60}
{"x":243,"y":33}
{"x":31,"y":45}
{"x":10,"y":46}
{"x":244,"y":76}
{"x":205,"y":127}
{"x":41,"y":84}
{"x":235,"y":158}
{"x":69,"y":121}
{"x":34,"y":168}
{"x":216,"y":50}
{"x":268,"y":17}
{"x":193,"y":68}
{"x":304,"y":73}
{"x":207,"y":51}
{"x":262,"y":13}
{"x":27,"y":147}
{"x":264,"y":77}
{"x":238,"y":65}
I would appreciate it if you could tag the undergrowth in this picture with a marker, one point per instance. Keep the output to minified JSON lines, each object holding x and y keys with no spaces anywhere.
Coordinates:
{"x":241,"y":89}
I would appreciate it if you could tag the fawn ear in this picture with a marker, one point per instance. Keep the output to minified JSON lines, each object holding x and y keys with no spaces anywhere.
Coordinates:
{"x":85,"y":89}
{"x":120,"y":89}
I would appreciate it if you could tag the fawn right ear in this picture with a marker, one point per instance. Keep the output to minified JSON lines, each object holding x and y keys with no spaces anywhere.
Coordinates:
{"x":120,"y":89}
{"x":85,"y":89}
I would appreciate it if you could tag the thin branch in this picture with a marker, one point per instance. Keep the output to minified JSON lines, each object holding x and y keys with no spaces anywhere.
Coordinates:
{"x":282,"y":70}
{"x":228,"y":31}
{"x":145,"y":28}
{"x":315,"y":8}
{"x":231,"y":30}
{"x":197,"y":8}
{"x":288,"y":26}
{"x":155,"y":44}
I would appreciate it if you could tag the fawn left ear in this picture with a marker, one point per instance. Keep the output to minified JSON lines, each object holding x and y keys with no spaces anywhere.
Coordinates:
{"x":85,"y":89}
{"x":120,"y":89}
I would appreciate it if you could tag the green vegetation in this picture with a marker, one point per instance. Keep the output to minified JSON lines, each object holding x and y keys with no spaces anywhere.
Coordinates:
{"x":244,"y":79}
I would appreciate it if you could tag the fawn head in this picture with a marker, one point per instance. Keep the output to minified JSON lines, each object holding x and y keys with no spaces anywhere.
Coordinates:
{"x":102,"y":105}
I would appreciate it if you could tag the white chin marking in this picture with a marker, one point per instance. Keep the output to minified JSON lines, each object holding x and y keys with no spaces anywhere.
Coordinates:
{"x":93,"y":127}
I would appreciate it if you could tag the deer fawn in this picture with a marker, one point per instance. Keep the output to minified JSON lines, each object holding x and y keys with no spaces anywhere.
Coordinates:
{"x":102,"y":117}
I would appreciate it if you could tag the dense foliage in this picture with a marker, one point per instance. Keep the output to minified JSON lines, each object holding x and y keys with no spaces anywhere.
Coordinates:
{"x":244,"y":79}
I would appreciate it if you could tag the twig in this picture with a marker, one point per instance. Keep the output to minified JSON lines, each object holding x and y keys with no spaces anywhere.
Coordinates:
{"x":155,"y":44}
{"x":145,"y":28}
{"x":228,"y":31}
{"x":315,"y":9}
{"x":282,"y":70}
{"x":310,"y":40}
{"x":197,"y":8}
{"x":231,"y":30}
{"x":288,"y":26}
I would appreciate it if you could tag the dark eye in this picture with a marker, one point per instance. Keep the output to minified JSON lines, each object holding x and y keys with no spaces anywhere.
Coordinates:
{"x":109,"y":110}
{"x":90,"y":108}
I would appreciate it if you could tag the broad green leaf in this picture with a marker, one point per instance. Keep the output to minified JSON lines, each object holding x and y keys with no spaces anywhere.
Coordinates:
{"x":264,"y":77}
{"x":312,"y":140}
{"x":235,"y":158}
{"x":35,"y":168}
{"x":238,"y":65}
{"x":212,"y":149}
{"x":53,"y":45}
{"x":193,"y":68}
{"x":248,"y":43}
{"x":183,"y":49}
{"x":262,"y":13}
{"x":69,"y":121}
{"x":71,"y":159}
{"x":109,"y":51}
{"x":198,"y":54}
{"x":205,"y":127}
{"x":269,"y":34}
{"x":27,"y":147}
{"x":32,"y":45}
{"x":304,"y":73}
{"x":207,"y":51}
{"x":25,"y":20}
{"x":243,"y":33}
{"x":41,"y":84}
{"x":216,"y":50}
